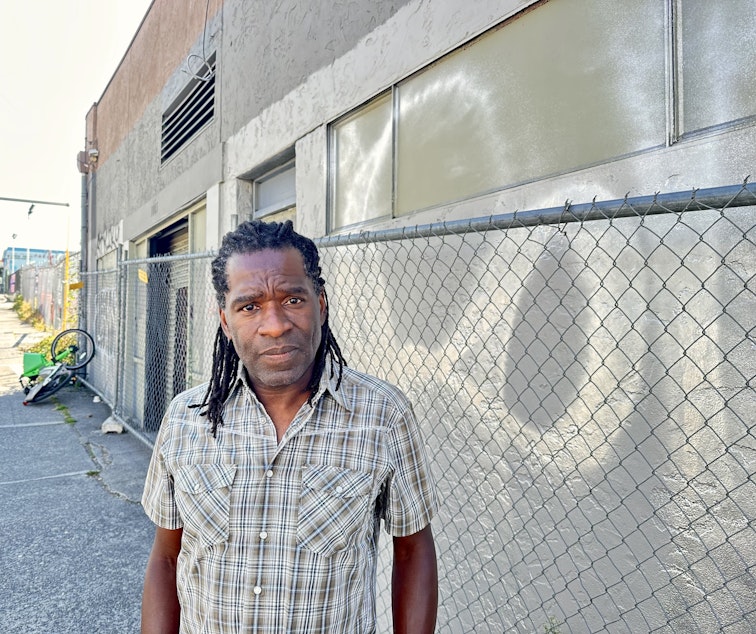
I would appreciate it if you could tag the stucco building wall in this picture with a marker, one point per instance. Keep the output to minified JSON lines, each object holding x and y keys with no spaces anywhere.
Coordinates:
{"x":284,"y":75}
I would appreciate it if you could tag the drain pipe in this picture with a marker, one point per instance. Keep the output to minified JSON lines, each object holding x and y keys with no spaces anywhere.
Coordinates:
{"x":83,"y":252}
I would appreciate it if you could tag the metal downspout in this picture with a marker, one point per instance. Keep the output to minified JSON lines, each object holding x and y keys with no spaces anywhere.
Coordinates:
{"x":83,"y":256}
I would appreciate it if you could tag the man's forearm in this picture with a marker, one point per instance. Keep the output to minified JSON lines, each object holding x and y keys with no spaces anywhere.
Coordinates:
{"x":160,"y":607}
{"x":415,"y":584}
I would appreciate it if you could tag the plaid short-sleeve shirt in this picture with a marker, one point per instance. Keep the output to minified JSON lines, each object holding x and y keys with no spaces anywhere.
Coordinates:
{"x":282,"y":537}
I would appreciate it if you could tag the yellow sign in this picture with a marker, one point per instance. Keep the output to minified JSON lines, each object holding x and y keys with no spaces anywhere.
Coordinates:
{"x":75,"y":286}
{"x":142,"y":275}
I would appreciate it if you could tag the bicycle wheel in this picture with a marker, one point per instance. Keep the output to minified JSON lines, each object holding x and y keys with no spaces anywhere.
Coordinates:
{"x":80,"y":347}
{"x":55,"y":382}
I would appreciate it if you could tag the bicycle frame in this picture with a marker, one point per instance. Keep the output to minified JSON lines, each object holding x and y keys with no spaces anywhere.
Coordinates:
{"x":34,"y":362}
{"x":39,"y":370}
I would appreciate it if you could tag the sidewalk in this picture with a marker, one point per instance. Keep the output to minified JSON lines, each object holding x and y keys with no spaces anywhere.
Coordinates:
{"x":75,"y":538}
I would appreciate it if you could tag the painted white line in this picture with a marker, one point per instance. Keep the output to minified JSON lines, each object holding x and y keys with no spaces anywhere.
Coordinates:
{"x":50,"y":477}
{"x":40,"y":424}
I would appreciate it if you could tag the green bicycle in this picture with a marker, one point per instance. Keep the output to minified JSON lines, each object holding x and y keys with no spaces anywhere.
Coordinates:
{"x":71,"y":350}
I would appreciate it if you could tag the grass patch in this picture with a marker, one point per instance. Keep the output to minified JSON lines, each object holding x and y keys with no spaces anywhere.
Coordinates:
{"x":93,"y":473}
{"x":27,"y":314}
{"x":59,"y":407}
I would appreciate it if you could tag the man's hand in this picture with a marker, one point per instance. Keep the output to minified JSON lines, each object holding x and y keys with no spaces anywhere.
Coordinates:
{"x":415,"y":583}
{"x":160,"y":607}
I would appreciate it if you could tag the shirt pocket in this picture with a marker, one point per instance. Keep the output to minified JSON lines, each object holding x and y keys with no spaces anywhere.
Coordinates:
{"x":203,"y":497}
{"x":333,"y":508}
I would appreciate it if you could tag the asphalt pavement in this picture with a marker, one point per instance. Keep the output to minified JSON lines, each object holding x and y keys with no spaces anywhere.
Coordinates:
{"x":75,"y":539}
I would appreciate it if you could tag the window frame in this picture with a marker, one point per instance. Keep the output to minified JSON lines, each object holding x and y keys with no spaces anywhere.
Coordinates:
{"x":673,"y":133}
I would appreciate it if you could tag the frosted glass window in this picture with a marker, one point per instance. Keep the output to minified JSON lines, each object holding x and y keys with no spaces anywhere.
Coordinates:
{"x":564,"y":86}
{"x":362,"y":146}
{"x":718,"y":62}
{"x":276,"y":191}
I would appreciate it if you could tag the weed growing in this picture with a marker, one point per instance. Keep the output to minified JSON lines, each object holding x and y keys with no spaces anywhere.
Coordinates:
{"x":27,"y":314}
{"x":59,"y":407}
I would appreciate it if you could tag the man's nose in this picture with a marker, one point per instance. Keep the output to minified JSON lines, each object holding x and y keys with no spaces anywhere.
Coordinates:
{"x":274,"y":321}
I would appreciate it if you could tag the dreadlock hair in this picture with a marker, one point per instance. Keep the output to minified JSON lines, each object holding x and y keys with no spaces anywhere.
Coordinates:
{"x":250,"y":237}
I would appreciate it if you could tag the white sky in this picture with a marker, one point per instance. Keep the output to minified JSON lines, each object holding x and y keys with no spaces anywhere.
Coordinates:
{"x":57,"y":57}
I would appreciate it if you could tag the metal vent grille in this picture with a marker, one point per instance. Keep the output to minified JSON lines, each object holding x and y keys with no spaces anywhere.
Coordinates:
{"x":188,"y":114}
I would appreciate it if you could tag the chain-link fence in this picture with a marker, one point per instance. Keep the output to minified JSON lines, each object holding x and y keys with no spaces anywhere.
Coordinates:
{"x":45,"y":289}
{"x":103,"y":322}
{"x":584,"y":380}
{"x":153,"y":322}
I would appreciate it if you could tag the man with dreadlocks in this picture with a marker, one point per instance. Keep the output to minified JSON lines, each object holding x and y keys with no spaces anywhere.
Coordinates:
{"x":268,"y":484}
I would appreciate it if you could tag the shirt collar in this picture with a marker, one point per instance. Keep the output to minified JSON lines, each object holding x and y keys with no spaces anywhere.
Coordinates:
{"x":328,"y":384}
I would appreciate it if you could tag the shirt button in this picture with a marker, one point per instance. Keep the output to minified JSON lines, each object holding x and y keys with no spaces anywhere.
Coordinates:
{"x":263,"y":535}
{"x":257,"y":590}
{"x":269,"y":473}
{"x":339,"y":489}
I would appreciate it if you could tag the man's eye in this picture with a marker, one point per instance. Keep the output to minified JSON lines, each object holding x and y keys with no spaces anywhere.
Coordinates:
{"x":295,"y":300}
{"x":249,"y":308}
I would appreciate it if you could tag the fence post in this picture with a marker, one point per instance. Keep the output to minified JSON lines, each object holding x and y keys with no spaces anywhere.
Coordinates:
{"x":66,"y":286}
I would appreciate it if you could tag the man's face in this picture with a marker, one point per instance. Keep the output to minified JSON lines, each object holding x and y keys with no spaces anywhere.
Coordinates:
{"x":273,"y":316}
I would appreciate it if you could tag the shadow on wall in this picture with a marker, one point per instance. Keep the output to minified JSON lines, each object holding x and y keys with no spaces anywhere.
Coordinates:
{"x":557,"y":380}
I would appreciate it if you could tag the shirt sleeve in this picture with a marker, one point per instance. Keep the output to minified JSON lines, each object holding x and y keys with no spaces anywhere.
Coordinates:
{"x":410,"y":496}
{"x":158,"y":498}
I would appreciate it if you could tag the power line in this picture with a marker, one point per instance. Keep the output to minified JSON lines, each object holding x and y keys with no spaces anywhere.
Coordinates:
{"x":35,"y":202}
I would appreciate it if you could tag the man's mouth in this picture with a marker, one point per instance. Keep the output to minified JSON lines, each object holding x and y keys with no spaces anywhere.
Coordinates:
{"x":281,"y":352}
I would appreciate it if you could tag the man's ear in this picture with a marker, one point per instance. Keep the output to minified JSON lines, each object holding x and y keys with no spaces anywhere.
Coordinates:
{"x":323,"y":307}
{"x":223,"y":323}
